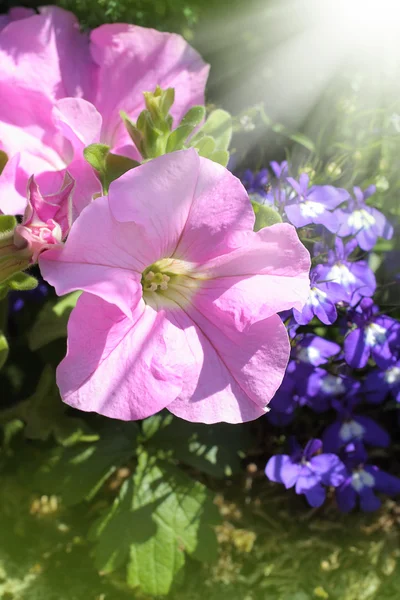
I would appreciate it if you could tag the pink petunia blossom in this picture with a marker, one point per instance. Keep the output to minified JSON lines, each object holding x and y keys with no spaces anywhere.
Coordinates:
{"x":47,"y":219}
{"x":61,"y":91}
{"x":179,"y":296}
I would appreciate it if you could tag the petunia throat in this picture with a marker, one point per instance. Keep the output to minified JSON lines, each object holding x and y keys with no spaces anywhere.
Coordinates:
{"x":170,"y":279}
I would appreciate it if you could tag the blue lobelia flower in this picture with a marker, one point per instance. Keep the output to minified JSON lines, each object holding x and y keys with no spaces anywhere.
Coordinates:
{"x":315,"y":204}
{"x":353,"y":280}
{"x":307,"y":471}
{"x":363,"y":222}
{"x":257,"y":185}
{"x":280,"y":170}
{"x":349,"y":427}
{"x":314,"y":350}
{"x":322,"y":387}
{"x":373,"y":335}
{"x":380,"y":383}
{"x":362,"y":481}
{"x":318,"y":304}
{"x":284,"y":403}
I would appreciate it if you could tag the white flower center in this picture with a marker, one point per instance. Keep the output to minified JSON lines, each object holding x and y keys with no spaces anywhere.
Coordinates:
{"x":332,"y":385}
{"x":169,"y":280}
{"x":361,"y":479}
{"x":311,"y":209}
{"x":341,"y":274}
{"x":392,"y":375}
{"x":308,"y":354}
{"x":316,"y":297}
{"x":374,"y":334}
{"x":351,"y":430}
{"x":361,"y":219}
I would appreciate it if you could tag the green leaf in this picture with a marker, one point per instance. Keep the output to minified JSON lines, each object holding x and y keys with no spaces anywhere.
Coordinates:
{"x":78,"y":472}
{"x":154,"y":522}
{"x":205,"y":146}
{"x":3,"y":160}
{"x":21,"y":282}
{"x":219,"y":127}
{"x":44,"y":414}
{"x":7,"y":225}
{"x":212,"y":449}
{"x":3,"y":349}
{"x":221,"y":157}
{"x":194,"y":116}
{"x":96,"y":155}
{"x":265,"y":216}
{"x":51,"y":323}
{"x":116,"y":166}
{"x":177,"y":137}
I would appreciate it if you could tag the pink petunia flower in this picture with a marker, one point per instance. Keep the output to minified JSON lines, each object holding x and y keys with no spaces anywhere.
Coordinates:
{"x":61,"y":91}
{"x":47,"y":219}
{"x":180,"y":296}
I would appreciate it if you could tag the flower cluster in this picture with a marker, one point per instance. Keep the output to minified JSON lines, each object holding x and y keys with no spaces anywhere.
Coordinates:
{"x":354,"y":365}
{"x":129,"y":202}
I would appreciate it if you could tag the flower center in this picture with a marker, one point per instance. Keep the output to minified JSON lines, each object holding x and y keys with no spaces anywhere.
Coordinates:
{"x":361,"y":479}
{"x":332,"y":385}
{"x":375,"y":334}
{"x":392,"y":376}
{"x":361,"y":219}
{"x":311,"y":209}
{"x":351,"y":430}
{"x":168,"y":280}
{"x":341,"y":274}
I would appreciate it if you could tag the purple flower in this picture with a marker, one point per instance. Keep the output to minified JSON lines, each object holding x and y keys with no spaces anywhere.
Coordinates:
{"x":362,"y":481}
{"x":322,"y":388}
{"x":363,"y":222}
{"x":314,"y":350}
{"x":318,"y":303}
{"x":283,"y":404}
{"x":280,"y":170}
{"x":353,"y":280}
{"x":373,"y":336}
{"x":257,"y":184}
{"x":17,"y":300}
{"x":314,"y":205}
{"x":309,"y":473}
{"x":378,"y":384}
{"x":352,"y":428}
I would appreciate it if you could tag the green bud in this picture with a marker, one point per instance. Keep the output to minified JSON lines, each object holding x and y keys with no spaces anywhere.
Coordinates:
{"x":158,"y":103}
{"x":96,"y":156}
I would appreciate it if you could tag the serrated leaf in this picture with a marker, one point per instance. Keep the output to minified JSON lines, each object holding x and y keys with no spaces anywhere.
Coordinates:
{"x":3,"y":349}
{"x":77,"y":473}
{"x":212,"y":449}
{"x":153,"y":523}
{"x":219,"y":127}
{"x":51,"y":323}
{"x":265,"y":216}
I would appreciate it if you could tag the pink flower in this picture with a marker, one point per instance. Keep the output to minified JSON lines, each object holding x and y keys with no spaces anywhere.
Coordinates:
{"x":47,"y":219}
{"x":180,"y":296}
{"x":61,"y":92}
